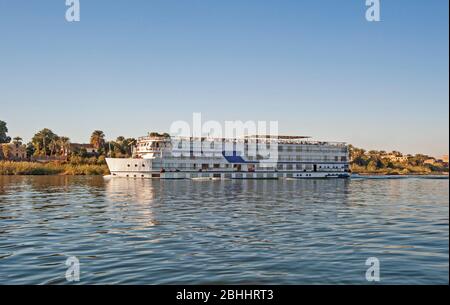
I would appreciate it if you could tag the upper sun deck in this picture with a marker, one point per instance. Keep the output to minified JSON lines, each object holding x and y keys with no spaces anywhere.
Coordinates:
{"x":279,"y":139}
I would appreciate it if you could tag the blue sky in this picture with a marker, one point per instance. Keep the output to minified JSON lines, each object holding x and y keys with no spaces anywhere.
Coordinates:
{"x":316,"y":66}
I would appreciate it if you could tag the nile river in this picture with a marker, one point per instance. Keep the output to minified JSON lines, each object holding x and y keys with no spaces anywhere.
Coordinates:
{"x":223,"y":232}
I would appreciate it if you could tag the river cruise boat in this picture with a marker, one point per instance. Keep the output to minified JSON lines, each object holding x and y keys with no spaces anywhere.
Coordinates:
{"x":250,"y":157}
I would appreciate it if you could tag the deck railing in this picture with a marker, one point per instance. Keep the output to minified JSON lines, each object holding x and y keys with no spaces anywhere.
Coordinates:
{"x":274,"y":140}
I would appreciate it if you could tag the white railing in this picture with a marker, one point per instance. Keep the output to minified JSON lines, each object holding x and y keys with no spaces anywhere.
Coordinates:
{"x":275,"y":140}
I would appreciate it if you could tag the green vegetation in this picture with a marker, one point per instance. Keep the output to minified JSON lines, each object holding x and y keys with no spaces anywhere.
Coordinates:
{"x":50,"y":154}
{"x":120,"y":148}
{"x":98,"y":139}
{"x":394,"y":163}
{"x":158,"y":135}
{"x":3,"y":130}
{"x":46,"y":143}
{"x":51,"y":168}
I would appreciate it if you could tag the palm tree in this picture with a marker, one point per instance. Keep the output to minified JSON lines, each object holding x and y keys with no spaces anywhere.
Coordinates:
{"x":128,"y":146}
{"x":17,"y":140}
{"x":119,"y":145}
{"x":64,"y":143}
{"x":42,"y":140}
{"x":53,"y":146}
{"x":98,"y":139}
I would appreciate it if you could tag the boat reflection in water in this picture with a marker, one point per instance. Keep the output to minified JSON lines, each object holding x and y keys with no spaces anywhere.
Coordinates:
{"x":131,"y":200}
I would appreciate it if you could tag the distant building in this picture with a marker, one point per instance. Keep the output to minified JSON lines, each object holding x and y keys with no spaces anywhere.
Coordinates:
{"x":395,"y":158}
{"x":76,"y":147}
{"x":444,"y":159}
{"x":13,"y":151}
{"x":430,"y":161}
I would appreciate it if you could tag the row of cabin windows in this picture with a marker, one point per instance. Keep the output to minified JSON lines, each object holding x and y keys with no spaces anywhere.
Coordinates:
{"x":311,"y":148}
{"x":142,"y":176}
{"x":203,"y":166}
{"x":249,"y":166}
{"x":183,"y":156}
{"x":306,"y":148}
{"x":215,"y":176}
{"x":287,"y":148}
{"x":317,"y":158}
{"x":216,"y":165}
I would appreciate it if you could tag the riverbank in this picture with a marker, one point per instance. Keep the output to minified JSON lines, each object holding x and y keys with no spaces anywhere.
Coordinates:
{"x":401,"y":170}
{"x":399,"y":173}
{"x":9,"y":168}
{"x":51,"y":168}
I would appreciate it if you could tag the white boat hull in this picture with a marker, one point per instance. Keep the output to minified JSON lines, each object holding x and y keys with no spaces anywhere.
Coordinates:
{"x":142,"y":168}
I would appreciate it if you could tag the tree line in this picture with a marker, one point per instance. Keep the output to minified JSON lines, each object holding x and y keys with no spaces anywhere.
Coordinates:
{"x":46,"y":143}
{"x":374,"y":161}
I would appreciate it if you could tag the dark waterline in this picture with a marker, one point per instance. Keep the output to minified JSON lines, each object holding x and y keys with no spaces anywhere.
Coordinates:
{"x":223,"y":232}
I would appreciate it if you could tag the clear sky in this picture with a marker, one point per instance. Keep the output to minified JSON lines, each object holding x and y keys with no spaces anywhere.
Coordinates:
{"x":316,"y":66}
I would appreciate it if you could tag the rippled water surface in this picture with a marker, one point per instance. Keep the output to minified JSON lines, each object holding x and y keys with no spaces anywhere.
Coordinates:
{"x":232,"y":232}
